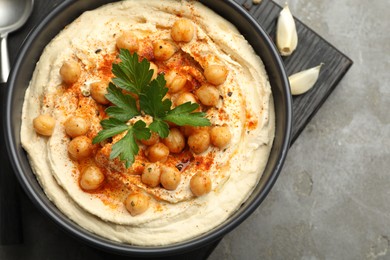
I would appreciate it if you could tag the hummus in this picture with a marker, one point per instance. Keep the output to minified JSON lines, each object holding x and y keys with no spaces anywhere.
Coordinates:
{"x":244,"y":106}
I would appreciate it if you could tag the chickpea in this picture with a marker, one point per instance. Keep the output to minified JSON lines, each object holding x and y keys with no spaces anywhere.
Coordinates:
{"x":153,"y":67}
{"x":151,"y":175}
{"x":169,"y":76}
{"x":80,"y":147}
{"x":200,"y":184}
{"x":91,"y":178}
{"x":216,"y":74}
{"x":99,"y":91}
{"x":199,"y":141}
{"x":137,"y":203}
{"x":70,"y":72}
{"x":208,"y":95}
{"x":76,"y":126}
{"x":163,"y":49}
{"x":174,"y":141}
{"x":170,"y":177}
{"x":188,"y":130}
{"x":182,"y":30}
{"x":154,"y":138}
{"x":184,"y":98}
{"x":220,"y":136}
{"x":128,"y":40}
{"x":175,"y":81}
{"x":157,"y":153}
{"x":44,"y":124}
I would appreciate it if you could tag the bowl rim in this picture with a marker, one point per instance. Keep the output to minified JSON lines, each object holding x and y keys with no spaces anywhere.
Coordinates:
{"x":43,"y":204}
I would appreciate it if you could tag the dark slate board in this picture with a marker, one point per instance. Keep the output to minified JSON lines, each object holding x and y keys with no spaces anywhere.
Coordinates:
{"x":43,"y":239}
{"x":311,"y":51}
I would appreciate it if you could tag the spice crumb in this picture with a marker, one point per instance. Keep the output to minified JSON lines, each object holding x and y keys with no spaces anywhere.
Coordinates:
{"x":247,"y":6}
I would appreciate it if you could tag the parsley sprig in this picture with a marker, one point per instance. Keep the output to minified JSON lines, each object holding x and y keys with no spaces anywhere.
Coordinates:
{"x":134,"y":76}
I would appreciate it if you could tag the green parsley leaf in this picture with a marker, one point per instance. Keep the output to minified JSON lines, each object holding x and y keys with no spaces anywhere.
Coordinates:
{"x":151,"y":100}
{"x":131,"y":75}
{"x":111,"y":127}
{"x":159,"y":126}
{"x":135,"y":76}
{"x":183,"y":115}
{"x":141,"y":132}
{"x":127,"y":147}
{"x":152,"y":103}
{"x":125,"y":108}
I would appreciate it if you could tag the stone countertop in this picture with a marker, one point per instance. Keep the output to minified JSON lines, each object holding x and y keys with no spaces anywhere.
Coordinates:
{"x":331,"y":200}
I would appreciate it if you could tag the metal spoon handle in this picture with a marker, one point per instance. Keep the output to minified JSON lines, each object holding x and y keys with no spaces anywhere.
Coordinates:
{"x":5,"y":66}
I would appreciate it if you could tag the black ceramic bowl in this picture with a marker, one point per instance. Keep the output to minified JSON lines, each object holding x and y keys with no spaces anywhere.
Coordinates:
{"x":21,"y":74}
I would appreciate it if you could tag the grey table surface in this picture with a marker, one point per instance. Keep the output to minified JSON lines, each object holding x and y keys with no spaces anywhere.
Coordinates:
{"x":331,"y":200}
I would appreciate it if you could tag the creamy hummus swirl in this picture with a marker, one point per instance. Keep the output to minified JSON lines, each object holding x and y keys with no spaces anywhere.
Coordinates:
{"x":246,"y":107}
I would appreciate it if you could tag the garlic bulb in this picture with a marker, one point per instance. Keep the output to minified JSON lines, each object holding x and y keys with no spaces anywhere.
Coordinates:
{"x":304,"y":80}
{"x":286,"y":32}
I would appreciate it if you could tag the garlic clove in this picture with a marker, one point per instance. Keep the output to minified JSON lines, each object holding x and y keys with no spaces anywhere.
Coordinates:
{"x":286,"y":32}
{"x":304,"y":80}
